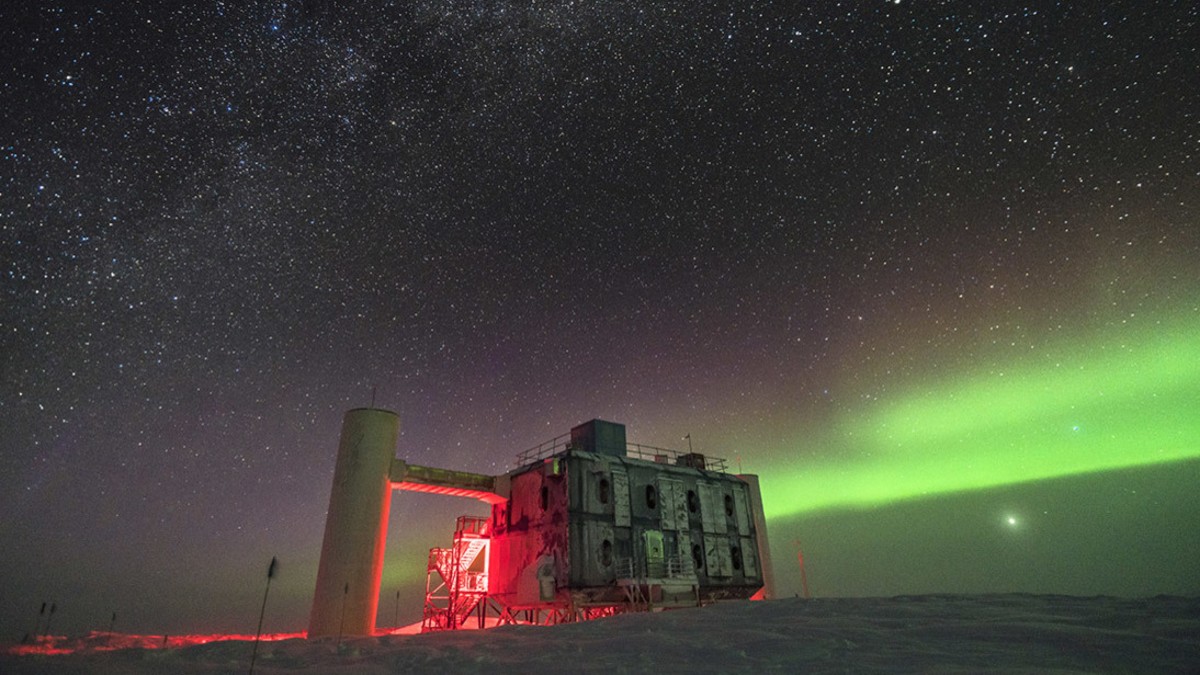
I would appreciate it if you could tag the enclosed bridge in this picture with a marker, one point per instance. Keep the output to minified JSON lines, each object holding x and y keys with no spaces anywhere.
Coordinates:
{"x":586,"y":525}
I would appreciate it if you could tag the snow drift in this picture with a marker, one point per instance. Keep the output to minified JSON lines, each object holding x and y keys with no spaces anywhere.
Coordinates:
{"x":929,"y":633}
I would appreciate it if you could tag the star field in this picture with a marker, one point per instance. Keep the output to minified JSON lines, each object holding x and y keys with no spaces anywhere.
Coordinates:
{"x":222,"y":224}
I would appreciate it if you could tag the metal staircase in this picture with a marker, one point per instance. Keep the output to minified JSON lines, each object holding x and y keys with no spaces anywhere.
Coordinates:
{"x":456,"y":580}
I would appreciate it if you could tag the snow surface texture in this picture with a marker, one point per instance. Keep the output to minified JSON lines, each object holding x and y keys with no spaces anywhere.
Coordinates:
{"x":918,"y":634}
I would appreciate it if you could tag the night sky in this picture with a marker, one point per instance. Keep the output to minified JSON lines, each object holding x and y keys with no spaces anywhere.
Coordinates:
{"x":932,"y":269}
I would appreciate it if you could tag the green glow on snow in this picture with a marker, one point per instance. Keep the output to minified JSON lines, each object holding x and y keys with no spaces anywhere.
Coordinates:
{"x":1092,"y":406}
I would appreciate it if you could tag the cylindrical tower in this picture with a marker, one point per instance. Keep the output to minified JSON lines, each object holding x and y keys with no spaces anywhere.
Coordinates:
{"x":348,"y":578}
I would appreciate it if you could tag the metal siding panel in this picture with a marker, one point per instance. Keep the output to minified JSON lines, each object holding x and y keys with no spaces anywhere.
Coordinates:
{"x":599,"y":573}
{"x":749,"y":558}
{"x":724,"y":559}
{"x":708,"y":511}
{"x":586,"y":478}
{"x":577,"y":545}
{"x":667,"y":491}
{"x":712,"y":558}
{"x":685,"y":547}
{"x":716,"y":507}
{"x":620,"y":484}
{"x":681,"y":511}
{"x":741,"y":507}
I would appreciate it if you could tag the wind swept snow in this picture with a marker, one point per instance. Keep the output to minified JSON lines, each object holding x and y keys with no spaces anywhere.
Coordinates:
{"x":944,"y":634}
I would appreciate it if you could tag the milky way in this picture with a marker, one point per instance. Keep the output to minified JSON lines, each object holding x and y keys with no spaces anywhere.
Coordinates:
{"x":804,"y":237}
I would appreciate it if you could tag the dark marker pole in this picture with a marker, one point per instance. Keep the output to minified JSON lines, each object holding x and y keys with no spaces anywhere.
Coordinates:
{"x":396,"y":618}
{"x":53,"y":606}
{"x":342,"y":625}
{"x":262,"y":612}
{"x":37,"y":627}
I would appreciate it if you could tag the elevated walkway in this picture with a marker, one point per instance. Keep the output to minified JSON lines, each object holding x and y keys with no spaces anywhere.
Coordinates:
{"x":414,"y":478}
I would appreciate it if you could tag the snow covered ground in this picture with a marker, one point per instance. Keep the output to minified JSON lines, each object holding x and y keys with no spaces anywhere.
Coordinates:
{"x":918,"y":634}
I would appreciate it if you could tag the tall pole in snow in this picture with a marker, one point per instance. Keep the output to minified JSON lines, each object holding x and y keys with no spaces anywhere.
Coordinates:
{"x":345,"y":593}
{"x":49,"y":618}
{"x":262,"y":612}
{"x":803,"y":576}
{"x":37,"y":627}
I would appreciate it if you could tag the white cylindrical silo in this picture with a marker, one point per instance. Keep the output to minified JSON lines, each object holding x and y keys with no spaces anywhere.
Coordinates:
{"x":347,"y":592}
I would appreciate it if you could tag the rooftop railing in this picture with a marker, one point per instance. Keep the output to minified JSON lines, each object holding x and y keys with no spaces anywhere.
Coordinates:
{"x":550,"y":448}
{"x":560,"y":444}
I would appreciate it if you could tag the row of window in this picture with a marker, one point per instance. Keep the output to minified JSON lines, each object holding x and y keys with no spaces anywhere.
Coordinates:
{"x":693,"y":500}
{"x":735,"y":556}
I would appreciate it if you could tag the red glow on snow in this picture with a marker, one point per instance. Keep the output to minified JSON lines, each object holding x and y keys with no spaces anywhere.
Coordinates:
{"x":103,"y":641}
{"x":481,"y":495}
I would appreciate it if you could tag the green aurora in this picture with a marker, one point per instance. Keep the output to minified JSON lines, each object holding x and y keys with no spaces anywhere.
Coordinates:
{"x":1122,"y":399}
